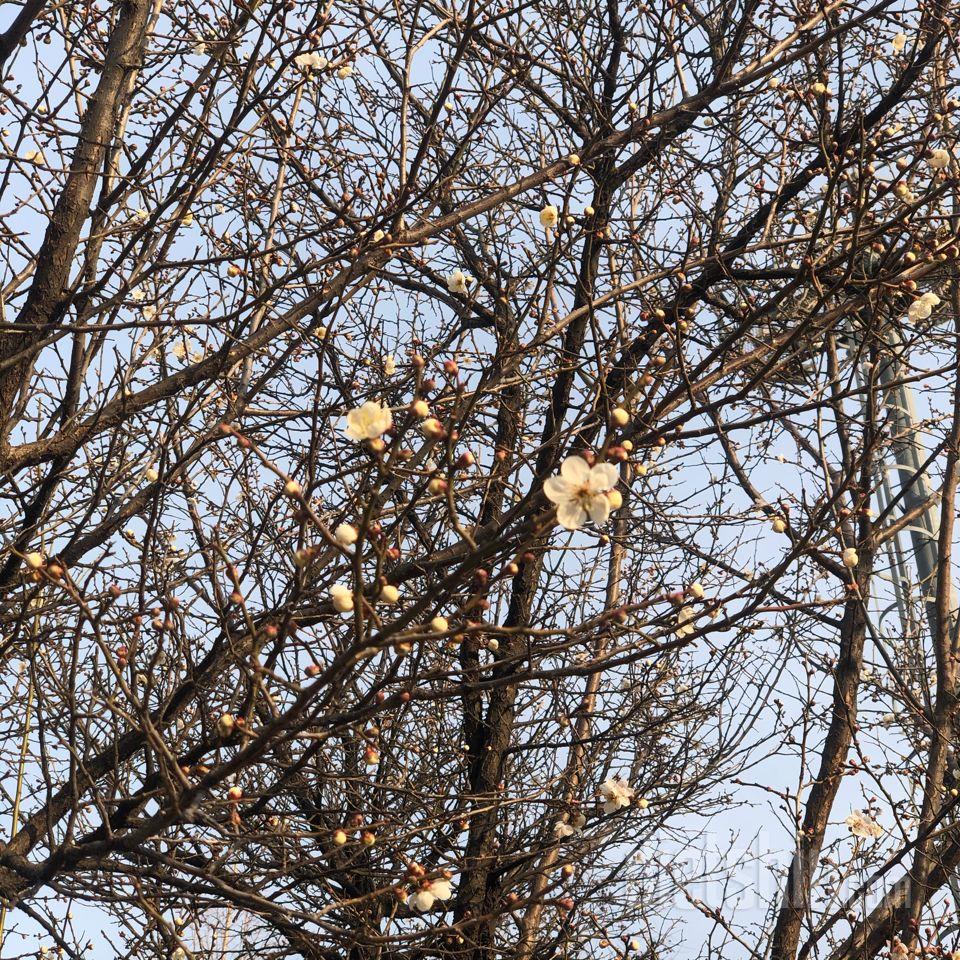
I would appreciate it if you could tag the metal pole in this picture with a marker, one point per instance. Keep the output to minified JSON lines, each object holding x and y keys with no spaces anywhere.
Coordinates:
{"x":914,"y":488}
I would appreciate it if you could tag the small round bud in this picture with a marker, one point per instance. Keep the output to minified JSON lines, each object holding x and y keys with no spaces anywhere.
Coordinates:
{"x":432,"y":428}
{"x":389,"y":594}
{"x":346,"y":534}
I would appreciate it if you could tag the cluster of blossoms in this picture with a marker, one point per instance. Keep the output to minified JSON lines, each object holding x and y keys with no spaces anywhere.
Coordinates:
{"x":580,"y":492}
{"x":863,"y":825}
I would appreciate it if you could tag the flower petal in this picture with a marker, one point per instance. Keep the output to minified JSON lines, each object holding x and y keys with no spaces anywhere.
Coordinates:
{"x":571,"y":515}
{"x":602,"y":477}
{"x":575,"y":470}
{"x":599,"y":507}
{"x":557,"y":490}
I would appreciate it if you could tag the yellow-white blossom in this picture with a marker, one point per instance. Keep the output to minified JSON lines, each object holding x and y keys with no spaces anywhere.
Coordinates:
{"x":685,"y":625}
{"x":549,"y":216}
{"x":569,"y":825}
{"x":389,"y":593}
{"x":368,"y":421}
{"x":921,"y":308}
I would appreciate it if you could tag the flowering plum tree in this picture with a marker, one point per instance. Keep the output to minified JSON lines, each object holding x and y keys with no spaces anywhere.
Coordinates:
{"x":458,"y":480}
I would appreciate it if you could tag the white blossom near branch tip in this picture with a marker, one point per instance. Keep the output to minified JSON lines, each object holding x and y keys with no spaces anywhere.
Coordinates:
{"x":459,"y":282}
{"x":549,"y":216}
{"x":685,"y":624}
{"x":863,"y":825}
{"x":368,"y":421}
{"x":922,"y":307}
{"x":346,"y":534}
{"x":616,"y":794}
{"x":310,"y":61}
{"x":569,"y":826}
{"x":580,"y":491}
{"x":424,"y":898}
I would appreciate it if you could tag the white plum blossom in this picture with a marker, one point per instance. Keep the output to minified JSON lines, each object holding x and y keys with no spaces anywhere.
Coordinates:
{"x":459,"y":282}
{"x":921,"y":308}
{"x":549,"y":216}
{"x":899,"y":42}
{"x":580,"y":491}
{"x":616,"y":793}
{"x":939,"y":159}
{"x":863,"y":825}
{"x":310,"y":61}
{"x":368,"y":421}
{"x":570,"y":825}
{"x":424,"y":898}
{"x":685,"y":622}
